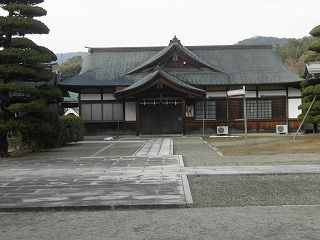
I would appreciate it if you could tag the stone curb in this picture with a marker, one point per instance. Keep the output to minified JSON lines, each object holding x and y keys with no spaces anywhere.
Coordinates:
{"x":93,"y":208}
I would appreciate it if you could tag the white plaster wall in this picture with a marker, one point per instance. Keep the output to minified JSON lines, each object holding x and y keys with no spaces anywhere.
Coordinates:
{"x":90,"y":96}
{"x":294,"y":92}
{"x":108,"y":96}
{"x":272,"y":93}
{"x":216,"y":94}
{"x":130,"y":108}
{"x":251,"y":94}
{"x":293,"y":105}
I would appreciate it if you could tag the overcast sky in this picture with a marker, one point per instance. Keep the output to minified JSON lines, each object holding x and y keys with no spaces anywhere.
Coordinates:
{"x":75,"y":24}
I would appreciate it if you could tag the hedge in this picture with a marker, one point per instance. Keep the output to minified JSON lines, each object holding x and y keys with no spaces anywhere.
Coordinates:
{"x":72,"y":129}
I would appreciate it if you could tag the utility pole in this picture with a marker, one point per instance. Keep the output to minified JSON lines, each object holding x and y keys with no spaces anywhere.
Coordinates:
{"x":305,"y":116}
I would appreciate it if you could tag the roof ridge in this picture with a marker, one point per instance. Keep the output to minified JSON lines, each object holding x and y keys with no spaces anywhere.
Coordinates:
{"x":192,"y":47}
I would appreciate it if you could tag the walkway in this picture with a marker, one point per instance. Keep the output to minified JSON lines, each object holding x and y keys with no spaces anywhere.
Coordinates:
{"x":157,"y":147}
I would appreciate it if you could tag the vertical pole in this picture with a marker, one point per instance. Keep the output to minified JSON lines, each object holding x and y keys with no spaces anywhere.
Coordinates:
{"x":245,"y":118}
{"x":203,"y":116}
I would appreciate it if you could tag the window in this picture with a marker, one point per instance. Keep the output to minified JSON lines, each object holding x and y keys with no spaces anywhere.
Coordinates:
{"x":112,"y":111}
{"x":260,"y":109}
{"x":264,"y":109}
{"x":96,"y":112}
{"x":251,"y":108}
{"x":205,"y":110}
{"x":107,"y":111}
{"x":86,"y":111}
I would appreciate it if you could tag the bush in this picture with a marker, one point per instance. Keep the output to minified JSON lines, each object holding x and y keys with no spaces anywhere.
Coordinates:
{"x":73,"y":129}
{"x":39,"y":131}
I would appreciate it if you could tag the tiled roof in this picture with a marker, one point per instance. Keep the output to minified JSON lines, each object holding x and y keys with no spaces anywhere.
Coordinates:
{"x":313,"y":67}
{"x":238,"y":64}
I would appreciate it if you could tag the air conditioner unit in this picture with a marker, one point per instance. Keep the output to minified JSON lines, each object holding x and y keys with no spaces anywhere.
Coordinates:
{"x":282,"y":129}
{"x":222,"y":130}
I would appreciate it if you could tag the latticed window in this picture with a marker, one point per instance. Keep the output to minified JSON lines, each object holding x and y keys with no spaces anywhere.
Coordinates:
{"x":265,"y":109}
{"x":259,"y":109}
{"x":205,"y":110}
{"x":251,"y":109}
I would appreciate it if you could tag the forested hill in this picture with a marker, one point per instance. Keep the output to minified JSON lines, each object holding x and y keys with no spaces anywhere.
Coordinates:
{"x":260,"y":40}
{"x":291,"y":50}
{"x":63,"y":57}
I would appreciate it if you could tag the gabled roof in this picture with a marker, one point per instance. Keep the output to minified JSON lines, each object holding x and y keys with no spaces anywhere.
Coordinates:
{"x":174,"y":45}
{"x":312,"y":70}
{"x":93,"y":78}
{"x":155,"y":75}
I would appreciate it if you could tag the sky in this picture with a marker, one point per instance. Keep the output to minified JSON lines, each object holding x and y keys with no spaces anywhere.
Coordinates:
{"x":75,"y":24}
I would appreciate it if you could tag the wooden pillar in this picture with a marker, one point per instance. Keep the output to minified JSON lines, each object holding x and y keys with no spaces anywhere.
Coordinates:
{"x":257,"y":101}
{"x":227,"y":107}
{"x":287,"y":106}
{"x":79,"y":103}
{"x":124,"y":125}
{"x":183,"y":116}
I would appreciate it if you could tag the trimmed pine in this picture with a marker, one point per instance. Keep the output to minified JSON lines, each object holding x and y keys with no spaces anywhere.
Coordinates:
{"x":23,"y":10}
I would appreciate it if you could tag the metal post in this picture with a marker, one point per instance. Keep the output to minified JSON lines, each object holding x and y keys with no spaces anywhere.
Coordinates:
{"x":305,"y":116}
{"x":203,"y":118}
{"x":245,"y":119}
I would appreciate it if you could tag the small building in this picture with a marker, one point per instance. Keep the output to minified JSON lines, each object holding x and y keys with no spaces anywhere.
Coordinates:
{"x":183,"y":89}
{"x":312,"y":71}
{"x":72,"y":111}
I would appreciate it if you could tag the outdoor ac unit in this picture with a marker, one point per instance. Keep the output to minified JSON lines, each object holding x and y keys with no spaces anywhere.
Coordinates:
{"x":282,"y":129}
{"x":222,"y":130}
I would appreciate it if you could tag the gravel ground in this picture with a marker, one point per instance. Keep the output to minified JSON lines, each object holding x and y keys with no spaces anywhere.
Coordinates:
{"x":255,"y":190}
{"x":196,"y":223}
{"x":194,"y":152}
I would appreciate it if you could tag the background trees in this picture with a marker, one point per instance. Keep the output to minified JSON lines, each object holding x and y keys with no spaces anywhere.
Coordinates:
{"x":27,"y":94}
{"x":311,"y":87}
{"x":70,"y":68}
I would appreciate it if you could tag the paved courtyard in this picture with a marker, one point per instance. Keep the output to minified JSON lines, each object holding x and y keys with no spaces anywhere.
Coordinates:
{"x":140,"y":173}
{"x":96,"y":180}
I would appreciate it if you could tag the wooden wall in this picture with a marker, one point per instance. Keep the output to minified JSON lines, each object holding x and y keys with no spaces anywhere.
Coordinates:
{"x":237,"y":126}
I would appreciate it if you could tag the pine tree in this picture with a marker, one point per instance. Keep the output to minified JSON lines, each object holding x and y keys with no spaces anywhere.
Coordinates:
{"x":311,"y":86}
{"x":24,"y":75}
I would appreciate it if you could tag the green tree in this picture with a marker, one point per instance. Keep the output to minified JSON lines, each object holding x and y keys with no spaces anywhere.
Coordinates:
{"x":70,"y":68}
{"x":24,"y":75}
{"x":311,"y":87}
{"x":293,"y":54}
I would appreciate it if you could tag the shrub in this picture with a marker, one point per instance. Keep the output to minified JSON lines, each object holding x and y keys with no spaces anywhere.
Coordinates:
{"x":73,"y":129}
{"x":39,"y":131}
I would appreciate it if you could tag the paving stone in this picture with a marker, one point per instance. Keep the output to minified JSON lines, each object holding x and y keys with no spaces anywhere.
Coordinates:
{"x":100,"y":181}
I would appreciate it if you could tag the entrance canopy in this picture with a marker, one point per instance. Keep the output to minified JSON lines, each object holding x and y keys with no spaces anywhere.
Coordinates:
{"x":159,"y":79}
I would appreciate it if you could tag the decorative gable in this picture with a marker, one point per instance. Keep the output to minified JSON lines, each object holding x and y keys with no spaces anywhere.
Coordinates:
{"x":174,"y":56}
{"x":159,"y":79}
